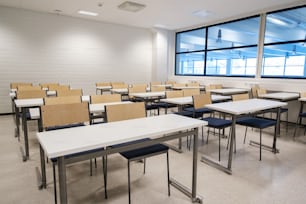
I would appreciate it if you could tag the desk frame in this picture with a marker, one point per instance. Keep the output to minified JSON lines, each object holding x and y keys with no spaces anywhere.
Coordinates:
{"x":62,"y":162}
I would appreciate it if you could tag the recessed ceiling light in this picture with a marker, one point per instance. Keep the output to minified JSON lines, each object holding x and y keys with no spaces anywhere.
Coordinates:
{"x":88,"y":13}
{"x":202,"y":13}
{"x":131,"y":6}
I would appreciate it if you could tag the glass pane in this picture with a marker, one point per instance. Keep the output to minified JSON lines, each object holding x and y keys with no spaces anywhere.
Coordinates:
{"x":286,"y":26}
{"x":191,"y":41}
{"x":190,"y":63}
{"x":232,"y":62}
{"x":238,"y":33}
{"x":284,"y":60}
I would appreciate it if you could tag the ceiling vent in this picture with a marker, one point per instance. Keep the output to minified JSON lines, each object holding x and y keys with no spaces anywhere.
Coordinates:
{"x":131,"y":6}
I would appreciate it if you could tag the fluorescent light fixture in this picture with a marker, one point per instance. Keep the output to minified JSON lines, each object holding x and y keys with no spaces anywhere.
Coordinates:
{"x":281,"y":21}
{"x":202,"y":13}
{"x":131,"y":6}
{"x":88,"y":13}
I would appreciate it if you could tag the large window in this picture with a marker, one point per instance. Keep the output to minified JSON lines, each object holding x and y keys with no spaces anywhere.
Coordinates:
{"x":228,"y":50}
{"x":284,"y":45}
{"x":189,"y":52}
{"x":231,"y":48}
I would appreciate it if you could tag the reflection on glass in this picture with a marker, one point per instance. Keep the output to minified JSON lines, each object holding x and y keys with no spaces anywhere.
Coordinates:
{"x":190,"y":63}
{"x":191,"y":41}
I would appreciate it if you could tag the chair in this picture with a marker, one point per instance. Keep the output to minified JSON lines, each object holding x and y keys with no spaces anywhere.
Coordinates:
{"x":301,"y":115}
{"x":14,"y":85}
{"x":238,"y":97}
{"x":102,"y":84}
{"x":255,"y":122}
{"x":136,"y":89}
{"x":55,"y":87}
{"x":105,"y":98}
{"x":28,"y":88}
{"x":62,"y":100}
{"x":170,"y":94}
{"x":191,"y":92}
{"x":60,"y":116}
{"x":132,"y":111}
{"x":199,"y":102}
{"x":282,"y":110}
{"x":46,"y":85}
{"x":70,"y":92}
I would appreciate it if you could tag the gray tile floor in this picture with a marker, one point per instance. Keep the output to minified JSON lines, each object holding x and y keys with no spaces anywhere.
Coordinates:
{"x":276,"y":179}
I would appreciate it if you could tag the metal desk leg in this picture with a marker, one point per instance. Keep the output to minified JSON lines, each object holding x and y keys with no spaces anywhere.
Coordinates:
{"x":17,"y":120}
{"x":62,"y":180}
{"x":193,"y":192}
{"x":25,"y":132}
{"x":43,"y":179}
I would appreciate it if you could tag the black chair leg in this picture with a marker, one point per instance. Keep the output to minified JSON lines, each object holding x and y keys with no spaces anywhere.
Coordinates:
{"x":168,"y":174}
{"x":54,"y":183}
{"x":245,"y":133}
{"x":260,"y":145}
{"x":104,"y":163}
{"x":129,"y":184}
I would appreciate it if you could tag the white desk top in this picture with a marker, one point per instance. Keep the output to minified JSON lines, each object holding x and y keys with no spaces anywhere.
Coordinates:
{"x":148,"y":94}
{"x":73,"y":140}
{"x":31,"y":102}
{"x":120,"y":91}
{"x":188,"y":100}
{"x":100,"y":107}
{"x":245,"y":106}
{"x":302,"y":99}
{"x":103,"y":87}
{"x":186,"y":87}
{"x":179,"y":100}
{"x":229,"y":91}
{"x":282,"y":96}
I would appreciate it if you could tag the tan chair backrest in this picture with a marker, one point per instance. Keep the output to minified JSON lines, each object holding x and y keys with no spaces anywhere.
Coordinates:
{"x":120,"y":86}
{"x":64,"y":114}
{"x":157,"y":88}
{"x":170,"y":82}
{"x":103,"y":84}
{"x":261,"y":92}
{"x":303,"y":94}
{"x":155,"y":83}
{"x":254,"y":91}
{"x":31,"y":94}
{"x":191,"y":92}
{"x":46,"y":85}
{"x":54,"y":87}
{"x":174,"y":94}
{"x":137,"y":89}
{"x":62,"y":100}
{"x":14,"y":85}
{"x":214,"y":86}
{"x":199,"y":101}
{"x":70,"y":92}
{"x":105,"y":98}
{"x":125,"y":111}
{"x":116,"y":83}
{"x":178,"y":85}
{"x":28,"y":88}
{"x":193,"y":84}
{"x":238,"y":97}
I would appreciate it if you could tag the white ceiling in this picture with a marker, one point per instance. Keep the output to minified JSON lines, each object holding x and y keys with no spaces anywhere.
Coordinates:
{"x":168,"y":14}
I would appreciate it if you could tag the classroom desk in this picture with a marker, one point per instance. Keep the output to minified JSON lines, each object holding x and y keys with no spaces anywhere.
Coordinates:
{"x":24,"y":105}
{"x":281,"y":96}
{"x":229,"y":91}
{"x":80,"y":139}
{"x":182,"y":101}
{"x":237,"y":109}
{"x":103,"y":88}
{"x":148,"y":96}
{"x":98,"y":108}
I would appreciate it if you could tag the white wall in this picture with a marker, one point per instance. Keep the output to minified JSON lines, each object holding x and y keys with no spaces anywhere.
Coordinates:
{"x":37,"y":47}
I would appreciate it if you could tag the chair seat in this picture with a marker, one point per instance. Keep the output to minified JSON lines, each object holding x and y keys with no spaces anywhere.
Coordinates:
{"x":218,"y":122}
{"x":141,"y":152}
{"x":185,"y":113}
{"x":199,"y":110}
{"x":302,"y":114}
{"x":256,"y":122}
